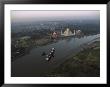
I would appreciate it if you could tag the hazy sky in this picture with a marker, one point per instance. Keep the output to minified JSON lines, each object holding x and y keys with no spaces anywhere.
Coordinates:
{"x":53,"y":15}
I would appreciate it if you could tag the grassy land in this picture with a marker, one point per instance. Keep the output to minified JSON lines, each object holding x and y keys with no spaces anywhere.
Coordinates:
{"x":84,"y":64}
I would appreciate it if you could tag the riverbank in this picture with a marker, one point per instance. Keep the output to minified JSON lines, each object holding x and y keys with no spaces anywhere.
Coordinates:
{"x":39,"y":67}
{"x":86,"y":63}
{"x":25,"y":45}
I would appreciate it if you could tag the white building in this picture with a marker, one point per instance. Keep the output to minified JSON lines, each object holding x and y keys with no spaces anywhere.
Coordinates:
{"x":67,"y":32}
{"x":78,"y":32}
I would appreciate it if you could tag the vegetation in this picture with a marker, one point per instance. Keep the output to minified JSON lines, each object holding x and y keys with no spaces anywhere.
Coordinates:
{"x":84,"y":64}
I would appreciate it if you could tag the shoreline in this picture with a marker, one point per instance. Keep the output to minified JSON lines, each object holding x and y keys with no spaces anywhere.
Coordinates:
{"x":70,"y":58}
{"x":28,"y":49}
{"x":48,"y":68}
{"x":79,"y":49}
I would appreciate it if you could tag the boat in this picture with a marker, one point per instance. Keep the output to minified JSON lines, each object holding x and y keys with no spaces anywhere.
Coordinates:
{"x":50,"y":55}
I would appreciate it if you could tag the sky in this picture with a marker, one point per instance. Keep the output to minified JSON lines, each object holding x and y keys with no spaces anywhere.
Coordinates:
{"x":23,"y":16}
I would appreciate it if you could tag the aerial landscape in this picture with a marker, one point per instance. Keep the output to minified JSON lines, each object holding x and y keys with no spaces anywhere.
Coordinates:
{"x":55,"y":43}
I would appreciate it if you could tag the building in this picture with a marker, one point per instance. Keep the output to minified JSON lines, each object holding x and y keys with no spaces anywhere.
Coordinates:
{"x":78,"y":32}
{"x":54,"y":35}
{"x":68,"y":32}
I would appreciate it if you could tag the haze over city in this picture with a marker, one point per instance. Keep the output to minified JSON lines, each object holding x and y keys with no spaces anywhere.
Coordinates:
{"x":23,"y":16}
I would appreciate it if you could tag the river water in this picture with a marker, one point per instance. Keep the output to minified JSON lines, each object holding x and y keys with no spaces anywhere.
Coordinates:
{"x":33,"y":64}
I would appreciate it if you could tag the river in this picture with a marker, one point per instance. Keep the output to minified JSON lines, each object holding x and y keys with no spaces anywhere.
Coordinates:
{"x":35,"y":65}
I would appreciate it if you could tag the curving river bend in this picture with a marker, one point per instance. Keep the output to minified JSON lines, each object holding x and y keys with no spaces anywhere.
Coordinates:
{"x":34,"y":65}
